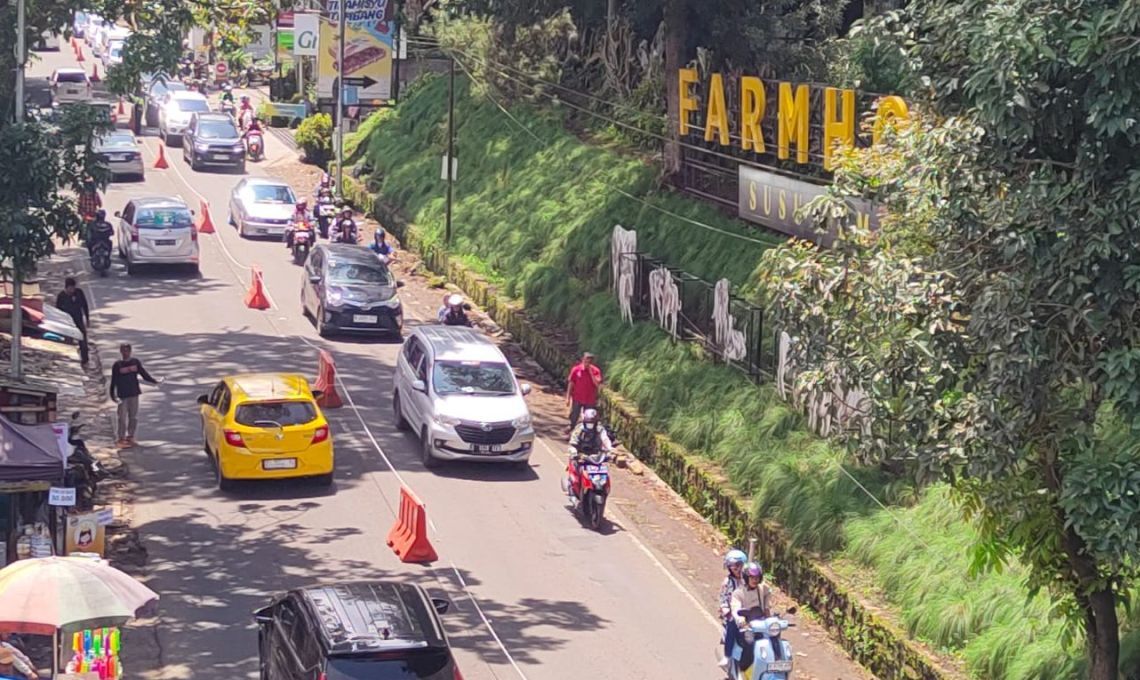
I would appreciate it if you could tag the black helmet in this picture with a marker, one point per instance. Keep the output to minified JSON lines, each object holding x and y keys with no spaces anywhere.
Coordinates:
{"x":100,"y":215}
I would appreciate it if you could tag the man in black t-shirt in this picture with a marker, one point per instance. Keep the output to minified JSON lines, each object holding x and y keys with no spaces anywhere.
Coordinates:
{"x":72,"y":300}
{"x":125,"y":391}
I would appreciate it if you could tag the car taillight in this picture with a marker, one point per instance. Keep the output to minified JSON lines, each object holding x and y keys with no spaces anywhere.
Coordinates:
{"x":458,"y":675}
{"x":321,"y":434}
{"x":234,"y":439}
{"x":134,"y":234}
{"x":193,"y":232}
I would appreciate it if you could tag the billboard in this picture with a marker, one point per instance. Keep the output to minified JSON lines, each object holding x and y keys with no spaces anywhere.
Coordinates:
{"x":774,"y":201}
{"x":369,"y":42}
{"x":284,"y":40}
{"x":306,"y":28}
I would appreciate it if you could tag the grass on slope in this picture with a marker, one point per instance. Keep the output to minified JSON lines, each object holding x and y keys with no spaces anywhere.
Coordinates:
{"x":537,"y":215}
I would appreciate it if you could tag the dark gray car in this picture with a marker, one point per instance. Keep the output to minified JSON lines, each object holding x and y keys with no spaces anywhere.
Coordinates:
{"x":347,"y":288}
{"x":213,"y":139}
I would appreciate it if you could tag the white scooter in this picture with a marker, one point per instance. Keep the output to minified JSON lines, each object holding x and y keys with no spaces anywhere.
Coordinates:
{"x":770,"y":656}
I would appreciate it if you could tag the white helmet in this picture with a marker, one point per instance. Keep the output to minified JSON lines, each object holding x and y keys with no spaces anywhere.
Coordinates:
{"x":454,"y":300}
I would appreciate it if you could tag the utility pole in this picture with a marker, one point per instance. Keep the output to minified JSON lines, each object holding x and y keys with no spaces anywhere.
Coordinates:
{"x":17,"y":283}
{"x":450,"y":165}
{"x":340,"y":105}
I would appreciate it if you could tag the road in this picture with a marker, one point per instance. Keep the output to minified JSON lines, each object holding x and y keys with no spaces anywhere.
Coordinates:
{"x":535,"y":594}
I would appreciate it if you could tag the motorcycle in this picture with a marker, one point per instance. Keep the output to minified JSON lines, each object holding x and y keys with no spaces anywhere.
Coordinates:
{"x":254,"y":146}
{"x":228,"y":108}
{"x":302,"y":243}
{"x":346,"y":235}
{"x":84,"y":471}
{"x":101,"y":255}
{"x":326,"y":213}
{"x":766,"y":655}
{"x":588,"y":483}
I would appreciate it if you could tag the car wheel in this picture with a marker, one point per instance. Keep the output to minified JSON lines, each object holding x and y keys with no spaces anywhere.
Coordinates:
{"x":193,"y":161}
{"x":241,"y":168}
{"x":323,"y":480}
{"x":322,"y":329}
{"x":224,"y":483}
{"x":132,"y":268}
{"x":426,"y":455}
{"x":402,"y":423}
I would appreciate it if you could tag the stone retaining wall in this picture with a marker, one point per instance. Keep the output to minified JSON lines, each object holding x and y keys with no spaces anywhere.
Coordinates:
{"x":867,"y":637}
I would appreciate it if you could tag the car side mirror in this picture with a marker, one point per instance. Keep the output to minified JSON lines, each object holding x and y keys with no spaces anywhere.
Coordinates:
{"x":317,"y":394}
{"x":203,"y":399}
{"x":441,"y":605}
{"x":315,"y":279}
{"x":118,"y":214}
{"x":264,"y":616}
{"x":399,"y":284}
{"x":419,"y":386}
{"x":525,"y":388}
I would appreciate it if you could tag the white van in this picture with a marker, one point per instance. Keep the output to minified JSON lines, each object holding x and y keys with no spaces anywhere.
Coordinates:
{"x":114,"y":54}
{"x":108,"y":36}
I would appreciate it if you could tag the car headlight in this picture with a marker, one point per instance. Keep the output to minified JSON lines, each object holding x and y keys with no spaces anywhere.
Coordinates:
{"x":774,"y":630}
{"x":521,"y":421}
{"x":446,"y":420}
{"x":334,"y":297}
{"x":202,"y":146}
{"x":239,"y":147}
{"x":394,"y":303}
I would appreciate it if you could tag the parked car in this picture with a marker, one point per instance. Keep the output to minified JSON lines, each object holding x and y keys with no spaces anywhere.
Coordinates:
{"x":70,"y":85}
{"x":261,"y":206}
{"x":348,"y":289}
{"x":355,"y":631}
{"x":457,"y":391}
{"x":174,"y":116}
{"x":119,"y":152}
{"x":79,"y":24}
{"x":157,"y":230}
{"x":112,"y":34}
{"x":213,"y":139}
{"x":157,"y":94}
{"x":266,"y":426}
{"x":113,"y":55}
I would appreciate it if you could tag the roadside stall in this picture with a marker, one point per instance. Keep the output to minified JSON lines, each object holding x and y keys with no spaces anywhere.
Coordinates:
{"x":32,"y":462}
{"x":79,"y":602}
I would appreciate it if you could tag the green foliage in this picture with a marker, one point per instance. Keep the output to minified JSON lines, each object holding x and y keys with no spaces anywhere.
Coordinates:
{"x":314,"y":136}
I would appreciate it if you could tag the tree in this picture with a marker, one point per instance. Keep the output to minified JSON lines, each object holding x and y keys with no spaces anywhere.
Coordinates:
{"x":994,"y":318}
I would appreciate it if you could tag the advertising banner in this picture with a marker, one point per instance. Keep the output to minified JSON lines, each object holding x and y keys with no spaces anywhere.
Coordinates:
{"x":306,"y":32}
{"x":369,"y":43}
{"x":284,"y":43}
{"x":774,"y":201}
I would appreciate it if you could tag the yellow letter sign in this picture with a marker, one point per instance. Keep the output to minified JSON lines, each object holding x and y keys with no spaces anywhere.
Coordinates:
{"x":717,"y":114}
{"x":687,"y":103}
{"x":837,"y":128}
{"x":793,"y":122}
{"x":753,"y":103}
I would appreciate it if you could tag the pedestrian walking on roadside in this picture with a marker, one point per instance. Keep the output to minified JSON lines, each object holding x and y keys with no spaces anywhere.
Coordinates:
{"x":89,"y":201}
{"x":125,"y":391}
{"x":582,"y":387}
{"x":72,"y":300}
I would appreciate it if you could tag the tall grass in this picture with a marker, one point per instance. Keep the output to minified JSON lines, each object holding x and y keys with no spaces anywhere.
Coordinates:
{"x":537,"y":216}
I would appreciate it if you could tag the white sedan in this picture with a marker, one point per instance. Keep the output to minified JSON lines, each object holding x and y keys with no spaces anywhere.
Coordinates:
{"x":260,"y":206}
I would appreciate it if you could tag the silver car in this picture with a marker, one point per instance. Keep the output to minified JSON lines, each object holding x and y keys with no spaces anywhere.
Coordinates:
{"x":157,"y":230}
{"x":119,"y":152}
{"x":70,"y":85}
{"x":260,"y":206}
{"x":457,"y":391}
{"x":174,"y":117}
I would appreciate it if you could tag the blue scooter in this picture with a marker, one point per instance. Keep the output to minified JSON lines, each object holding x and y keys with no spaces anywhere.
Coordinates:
{"x":770,"y":657}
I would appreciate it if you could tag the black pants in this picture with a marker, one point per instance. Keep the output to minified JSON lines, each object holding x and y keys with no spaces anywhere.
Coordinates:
{"x":84,"y":350}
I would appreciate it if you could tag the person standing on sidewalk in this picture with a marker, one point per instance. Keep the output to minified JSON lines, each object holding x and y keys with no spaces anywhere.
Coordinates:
{"x":72,"y":300}
{"x":125,"y":391}
{"x":582,"y":387}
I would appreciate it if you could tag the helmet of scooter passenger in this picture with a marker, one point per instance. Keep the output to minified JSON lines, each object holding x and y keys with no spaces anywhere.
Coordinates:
{"x":454,"y":300}
{"x":589,"y":416}
{"x":100,"y":215}
{"x":302,"y":204}
{"x":753,"y":570}
{"x":736,"y":557}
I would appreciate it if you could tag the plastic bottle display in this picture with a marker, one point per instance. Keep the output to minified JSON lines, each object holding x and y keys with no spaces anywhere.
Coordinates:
{"x":96,"y":651}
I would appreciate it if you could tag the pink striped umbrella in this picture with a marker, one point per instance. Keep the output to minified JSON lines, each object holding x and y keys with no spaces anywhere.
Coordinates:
{"x":42,"y":595}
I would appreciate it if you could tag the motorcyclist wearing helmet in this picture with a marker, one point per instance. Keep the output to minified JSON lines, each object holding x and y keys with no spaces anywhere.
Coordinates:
{"x":587,"y":439}
{"x":254,"y":127}
{"x":734,"y":564}
{"x":299,"y":221}
{"x":380,"y":245}
{"x":228,"y":93}
{"x":752,"y":596}
{"x":346,"y":230}
{"x":454,"y":311}
{"x":98,"y":229}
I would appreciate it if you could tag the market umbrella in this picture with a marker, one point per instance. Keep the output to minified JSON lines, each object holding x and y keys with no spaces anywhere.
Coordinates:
{"x":40,"y":596}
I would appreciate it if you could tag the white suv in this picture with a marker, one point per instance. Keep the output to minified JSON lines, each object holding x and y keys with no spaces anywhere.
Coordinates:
{"x":174,"y":117}
{"x":458,"y":392}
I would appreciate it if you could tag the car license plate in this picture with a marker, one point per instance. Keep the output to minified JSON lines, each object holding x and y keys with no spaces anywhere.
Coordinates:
{"x":280,"y":464}
{"x":779,"y":666}
{"x":493,"y":448}
{"x":220,"y":156}
{"x":71,"y":91}
{"x":165,"y":242}
{"x":262,"y":230}
{"x":365,"y":318}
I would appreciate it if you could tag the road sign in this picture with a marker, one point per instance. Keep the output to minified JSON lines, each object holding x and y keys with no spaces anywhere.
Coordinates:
{"x":351,"y":94}
{"x":360,"y":81}
{"x":61,"y":496}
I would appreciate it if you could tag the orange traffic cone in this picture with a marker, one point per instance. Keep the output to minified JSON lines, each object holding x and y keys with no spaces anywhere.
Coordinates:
{"x":122,"y":110}
{"x":95,"y":73}
{"x":79,"y":53}
{"x":255,"y":297}
{"x":205,"y":224}
{"x":161,"y":163}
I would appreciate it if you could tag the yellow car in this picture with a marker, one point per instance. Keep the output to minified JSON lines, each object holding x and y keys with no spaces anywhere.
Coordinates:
{"x":266,"y":426}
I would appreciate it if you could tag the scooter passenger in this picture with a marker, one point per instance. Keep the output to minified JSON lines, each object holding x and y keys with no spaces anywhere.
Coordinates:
{"x":300,"y":220}
{"x":587,"y":439}
{"x":751,"y":598}
{"x":346,"y":229}
{"x":734,"y":564}
{"x":454,"y":311}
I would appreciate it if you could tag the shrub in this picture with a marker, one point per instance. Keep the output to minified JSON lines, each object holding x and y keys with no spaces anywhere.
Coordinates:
{"x":314,"y":136}
{"x":265,"y":112}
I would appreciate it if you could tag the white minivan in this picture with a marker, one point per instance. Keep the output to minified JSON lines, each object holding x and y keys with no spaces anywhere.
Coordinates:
{"x":157,"y":230}
{"x":113,"y":34}
{"x":456,"y":390}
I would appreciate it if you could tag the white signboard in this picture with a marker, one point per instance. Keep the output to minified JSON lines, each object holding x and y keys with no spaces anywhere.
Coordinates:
{"x":61,"y":496}
{"x":104,"y":516}
{"x":306,"y":34}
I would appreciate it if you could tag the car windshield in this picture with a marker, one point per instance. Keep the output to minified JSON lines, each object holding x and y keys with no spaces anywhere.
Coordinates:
{"x":270,"y":193}
{"x":71,"y":76}
{"x":163,"y":218}
{"x":352,"y":272}
{"x":192,"y":105}
{"x":117,"y":140}
{"x":472,"y":377}
{"x":281,"y":412}
{"x":216,"y":129}
{"x":414,"y":666}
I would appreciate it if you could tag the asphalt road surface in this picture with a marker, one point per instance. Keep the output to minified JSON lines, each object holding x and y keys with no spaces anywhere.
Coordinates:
{"x":535,"y":594}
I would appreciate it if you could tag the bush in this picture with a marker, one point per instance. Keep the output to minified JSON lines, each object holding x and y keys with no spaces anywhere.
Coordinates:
{"x":265,"y":112}
{"x":314,"y":136}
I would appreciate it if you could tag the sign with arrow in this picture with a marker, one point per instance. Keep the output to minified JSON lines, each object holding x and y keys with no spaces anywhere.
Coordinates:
{"x":360,"y":81}
{"x":368,"y":49}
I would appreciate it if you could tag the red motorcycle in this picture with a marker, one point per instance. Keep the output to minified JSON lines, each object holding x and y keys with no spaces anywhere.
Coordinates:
{"x":589,"y":486}
{"x":254,"y":145}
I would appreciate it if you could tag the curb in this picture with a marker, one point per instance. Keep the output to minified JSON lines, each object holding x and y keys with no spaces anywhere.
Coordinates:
{"x":869,"y":639}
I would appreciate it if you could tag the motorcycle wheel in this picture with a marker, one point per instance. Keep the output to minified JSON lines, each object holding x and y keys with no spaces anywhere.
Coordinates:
{"x":596,"y":513}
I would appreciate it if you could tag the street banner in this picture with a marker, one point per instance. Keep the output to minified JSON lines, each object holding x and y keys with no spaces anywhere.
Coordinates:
{"x":306,"y":29}
{"x":369,"y":43}
{"x":284,"y":43}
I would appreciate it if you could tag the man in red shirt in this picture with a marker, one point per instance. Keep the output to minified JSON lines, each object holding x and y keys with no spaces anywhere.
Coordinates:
{"x":582,"y":387}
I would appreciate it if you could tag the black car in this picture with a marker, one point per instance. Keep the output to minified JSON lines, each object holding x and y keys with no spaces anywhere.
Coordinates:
{"x":213,"y":139}
{"x":355,"y":631}
{"x":348,"y":288}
